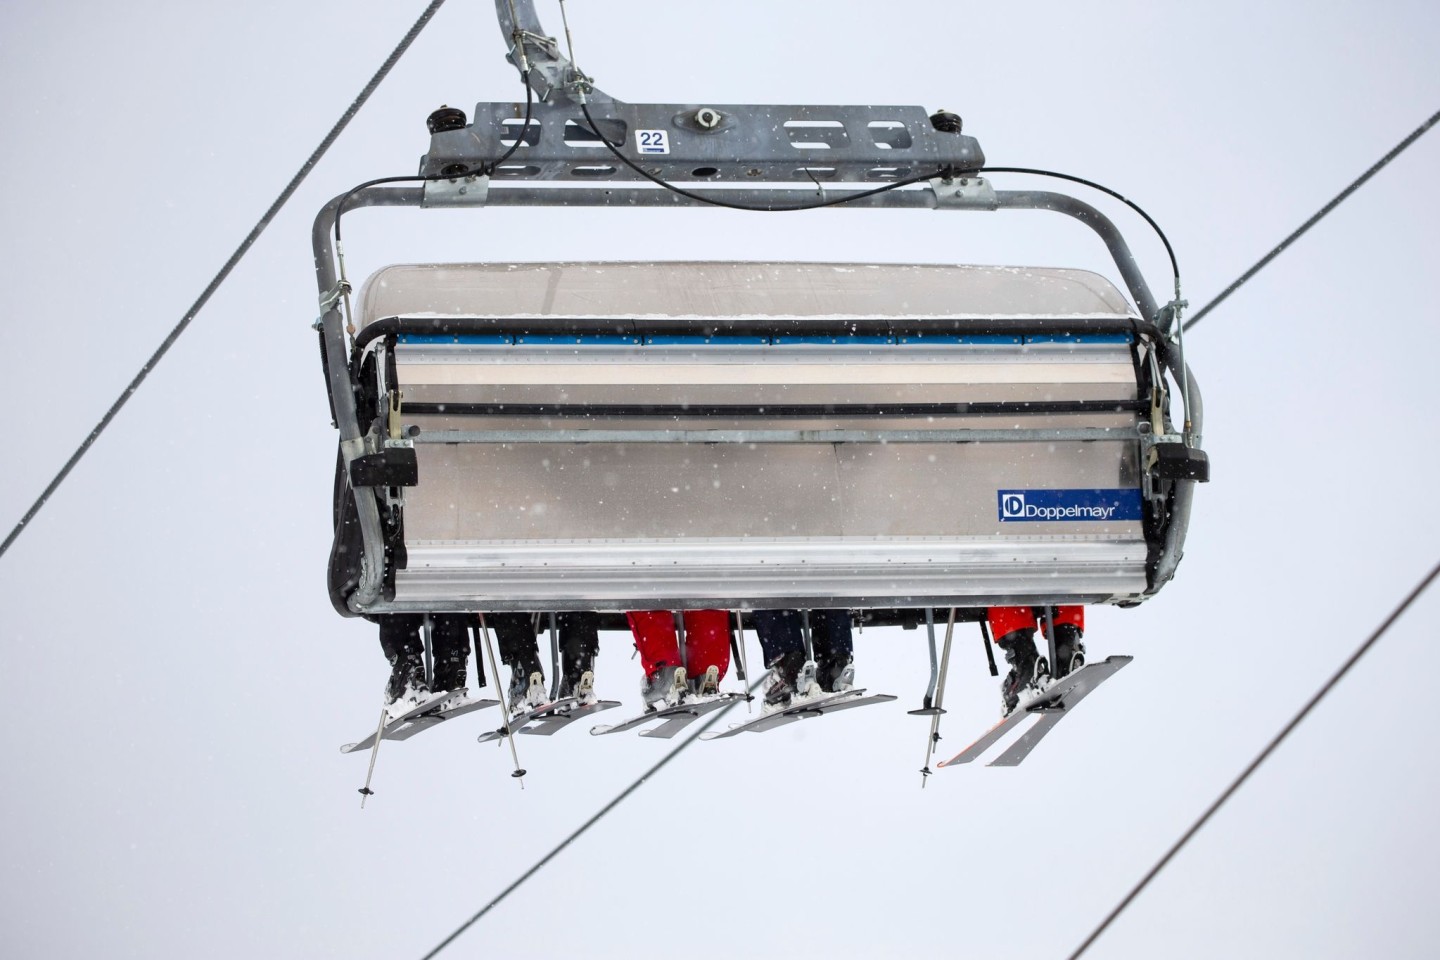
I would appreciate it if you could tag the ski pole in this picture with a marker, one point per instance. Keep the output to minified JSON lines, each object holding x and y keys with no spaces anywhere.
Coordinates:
{"x":737,"y":642}
{"x":429,"y":644}
{"x":554,"y":660}
{"x":505,"y":713}
{"x":679,"y":618}
{"x":989,"y":648}
{"x":365,"y":791}
{"x":939,"y":701}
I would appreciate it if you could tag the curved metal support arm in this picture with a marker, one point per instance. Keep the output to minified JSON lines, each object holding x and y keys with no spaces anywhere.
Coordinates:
{"x":1095,"y":220}
{"x":337,"y":372}
{"x":537,"y":56}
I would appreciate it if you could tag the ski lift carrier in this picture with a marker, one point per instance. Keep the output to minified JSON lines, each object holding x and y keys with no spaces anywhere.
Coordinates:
{"x":625,"y":436}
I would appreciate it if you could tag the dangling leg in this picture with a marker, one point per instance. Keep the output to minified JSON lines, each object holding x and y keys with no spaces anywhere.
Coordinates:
{"x":519,"y":651}
{"x":707,"y":648}
{"x":579,"y":643}
{"x":659,"y":649}
{"x":834,"y":649}
{"x":1014,"y":630}
{"x":784,"y":650}
{"x":1069,"y":629}
{"x":400,"y":639}
{"x":450,"y":639}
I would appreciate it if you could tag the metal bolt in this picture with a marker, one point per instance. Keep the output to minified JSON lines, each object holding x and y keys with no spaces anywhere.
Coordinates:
{"x":708,"y":118}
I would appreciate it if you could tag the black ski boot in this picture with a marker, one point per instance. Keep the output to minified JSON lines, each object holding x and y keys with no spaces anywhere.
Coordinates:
{"x":400,"y":640}
{"x":784,"y":675}
{"x":527,"y":683}
{"x":1069,"y":651}
{"x":580,"y":637}
{"x":452,"y":650}
{"x":1028,"y":670}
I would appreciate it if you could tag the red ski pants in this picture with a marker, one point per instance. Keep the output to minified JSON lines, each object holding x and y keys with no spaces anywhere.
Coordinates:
{"x":1006,"y":620}
{"x":707,"y":640}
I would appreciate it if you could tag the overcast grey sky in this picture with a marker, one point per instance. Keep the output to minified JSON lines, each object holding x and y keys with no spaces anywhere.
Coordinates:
{"x":177,"y":685}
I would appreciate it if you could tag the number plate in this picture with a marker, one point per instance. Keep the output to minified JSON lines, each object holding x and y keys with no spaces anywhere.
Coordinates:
{"x":652,"y":141}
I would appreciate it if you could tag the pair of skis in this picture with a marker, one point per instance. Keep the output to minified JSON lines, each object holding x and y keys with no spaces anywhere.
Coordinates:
{"x":419,"y":718}
{"x":1052,"y":705}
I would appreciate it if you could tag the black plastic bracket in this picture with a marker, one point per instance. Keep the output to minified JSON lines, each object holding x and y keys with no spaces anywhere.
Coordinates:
{"x":392,"y":467}
{"x":1176,"y":461}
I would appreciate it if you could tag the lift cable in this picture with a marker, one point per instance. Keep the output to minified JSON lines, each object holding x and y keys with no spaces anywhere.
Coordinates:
{"x":575,"y":835}
{"x":1264,"y":754}
{"x":230,"y":265}
{"x":1260,"y":264}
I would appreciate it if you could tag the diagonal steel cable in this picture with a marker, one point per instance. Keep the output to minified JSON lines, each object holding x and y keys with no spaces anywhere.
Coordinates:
{"x":225,"y":270}
{"x":575,"y":835}
{"x":1320,"y":214}
{"x":1264,"y":754}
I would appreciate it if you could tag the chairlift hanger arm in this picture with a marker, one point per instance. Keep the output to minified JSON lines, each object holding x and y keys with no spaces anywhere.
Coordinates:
{"x":537,"y":56}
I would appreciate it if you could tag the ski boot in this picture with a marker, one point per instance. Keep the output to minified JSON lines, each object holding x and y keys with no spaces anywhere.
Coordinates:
{"x":708,"y":685}
{"x":784,"y":681}
{"x":1029,"y":672}
{"x":581,"y":687}
{"x":406,"y":688}
{"x":527,"y":685}
{"x":1069,"y":651}
{"x":838,"y":678}
{"x":664,"y":688}
{"x":581,"y":644}
{"x":450,"y":678}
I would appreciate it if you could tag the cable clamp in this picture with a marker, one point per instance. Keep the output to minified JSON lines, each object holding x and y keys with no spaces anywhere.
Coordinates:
{"x":964,"y":193}
{"x":469,"y":191}
{"x":1167,"y":318}
{"x":336,"y":293}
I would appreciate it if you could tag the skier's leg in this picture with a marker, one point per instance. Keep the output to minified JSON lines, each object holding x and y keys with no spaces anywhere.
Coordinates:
{"x":515,"y":634}
{"x":400,"y":640}
{"x":1014,"y":631}
{"x":784,"y":650}
{"x":451,"y":642}
{"x":834,"y":649}
{"x":579,"y":643}
{"x":659,"y":649}
{"x":707,"y":647}
{"x":1069,"y":651}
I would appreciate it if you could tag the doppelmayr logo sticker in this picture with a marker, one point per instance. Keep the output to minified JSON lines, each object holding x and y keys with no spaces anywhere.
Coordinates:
{"x":1060,"y":505}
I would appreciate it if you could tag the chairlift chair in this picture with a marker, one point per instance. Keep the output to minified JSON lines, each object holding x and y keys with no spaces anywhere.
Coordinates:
{"x":625,"y":436}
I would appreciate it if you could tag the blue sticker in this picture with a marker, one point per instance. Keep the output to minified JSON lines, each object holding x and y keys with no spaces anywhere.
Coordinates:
{"x":1063,"y":505}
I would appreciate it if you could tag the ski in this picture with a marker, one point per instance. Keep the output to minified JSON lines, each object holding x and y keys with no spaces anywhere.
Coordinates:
{"x":549,"y":718}
{"x":675,"y":718}
{"x":387,"y":733}
{"x":801,"y":710}
{"x":427,"y":720}
{"x":1052,"y":706}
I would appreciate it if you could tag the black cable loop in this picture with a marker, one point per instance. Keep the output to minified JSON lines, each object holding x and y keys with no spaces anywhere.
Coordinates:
{"x":730,"y":205}
{"x":1170,"y":252}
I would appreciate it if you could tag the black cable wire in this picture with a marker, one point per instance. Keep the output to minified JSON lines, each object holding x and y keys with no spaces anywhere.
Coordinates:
{"x":587,"y":825}
{"x":1260,"y":264}
{"x":484,"y":170}
{"x":225,"y":270}
{"x":729,"y":205}
{"x":1170,"y":251}
{"x":1264,"y":754}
